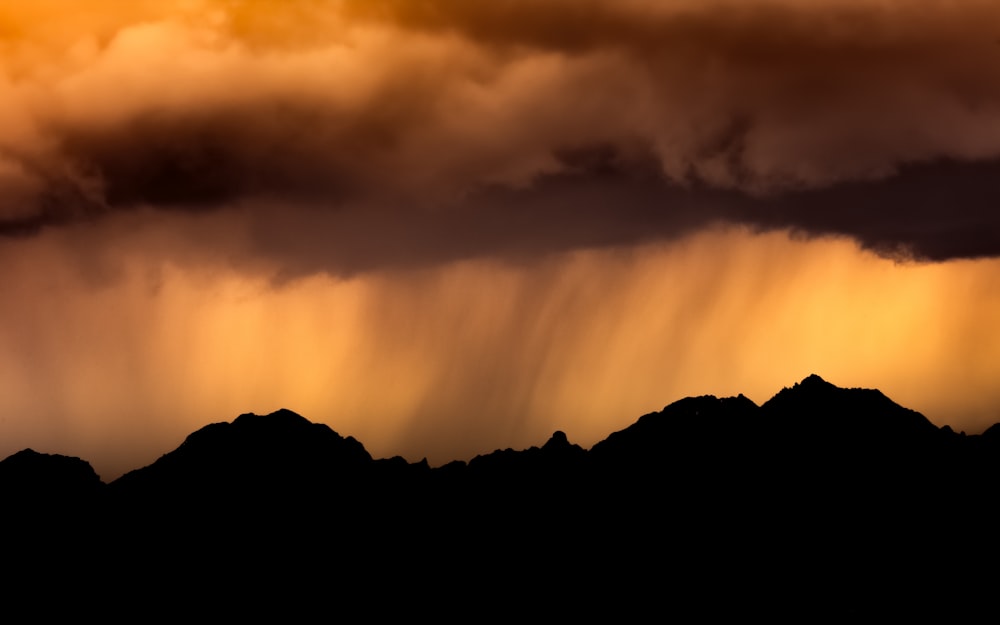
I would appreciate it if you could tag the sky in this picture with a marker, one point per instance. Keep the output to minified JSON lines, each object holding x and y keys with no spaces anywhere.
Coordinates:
{"x":446,"y":227}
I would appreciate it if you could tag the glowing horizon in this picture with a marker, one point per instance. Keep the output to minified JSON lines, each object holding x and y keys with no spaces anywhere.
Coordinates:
{"x":453,"y":361}
{"x":446,"y":228}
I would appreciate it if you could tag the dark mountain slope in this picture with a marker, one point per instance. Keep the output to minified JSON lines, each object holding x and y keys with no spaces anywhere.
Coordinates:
{"x":29,"y":477}
{"x":834,"y":499}
{"x":814,"y":408}
{"x":255,"y":455}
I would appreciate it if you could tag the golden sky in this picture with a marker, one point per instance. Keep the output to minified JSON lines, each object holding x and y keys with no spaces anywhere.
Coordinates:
{"x":445,"y":227}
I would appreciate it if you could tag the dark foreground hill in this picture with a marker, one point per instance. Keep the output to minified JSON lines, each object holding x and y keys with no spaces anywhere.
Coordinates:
{"x":822,"y":502}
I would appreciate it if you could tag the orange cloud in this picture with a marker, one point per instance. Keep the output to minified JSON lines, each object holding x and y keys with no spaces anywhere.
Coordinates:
{"x":415,"y":108}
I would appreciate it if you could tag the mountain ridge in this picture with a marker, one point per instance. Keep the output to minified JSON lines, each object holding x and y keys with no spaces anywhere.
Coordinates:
{"x":780,"y":410}
{"x":732,"y":501}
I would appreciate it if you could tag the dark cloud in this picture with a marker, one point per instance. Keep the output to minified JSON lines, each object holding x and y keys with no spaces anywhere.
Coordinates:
{"x":935,"y":211}
{"x":398,"y":133}
{"x":929,"y":211}
{"x":206,"y":159}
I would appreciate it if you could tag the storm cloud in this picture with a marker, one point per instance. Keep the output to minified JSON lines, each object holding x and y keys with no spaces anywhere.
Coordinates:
{"x":344,"y":136}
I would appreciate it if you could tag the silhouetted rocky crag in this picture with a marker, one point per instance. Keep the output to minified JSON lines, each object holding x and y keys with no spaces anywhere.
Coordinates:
{"x":29,"y":478}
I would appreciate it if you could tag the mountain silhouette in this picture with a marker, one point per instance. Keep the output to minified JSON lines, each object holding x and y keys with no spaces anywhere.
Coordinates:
{"x":29,"y":476}
{"x":266,"y":454}
{"x":816,"y":408}
{"x":837,"y":497}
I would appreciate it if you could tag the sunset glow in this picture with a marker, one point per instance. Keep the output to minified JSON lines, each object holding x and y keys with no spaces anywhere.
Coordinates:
{"x":460,"y":359}
{"x":446,"y":227}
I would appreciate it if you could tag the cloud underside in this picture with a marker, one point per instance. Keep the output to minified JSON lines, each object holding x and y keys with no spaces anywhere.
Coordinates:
{"x":344,"y":136}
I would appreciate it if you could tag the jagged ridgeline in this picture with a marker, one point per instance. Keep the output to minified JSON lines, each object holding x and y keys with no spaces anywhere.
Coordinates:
{"x":816,"y":480}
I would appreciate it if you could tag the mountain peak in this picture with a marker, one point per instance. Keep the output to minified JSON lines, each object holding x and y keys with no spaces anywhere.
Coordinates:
{"x":813,"y":380}
{"x":29,"y":472}
{"x":282,"y":451}
{"x":811,"y":385}
{"x":846,"y":411}
{"x":558,"y":439}
{"x":283,"y":415}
